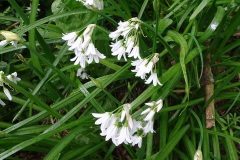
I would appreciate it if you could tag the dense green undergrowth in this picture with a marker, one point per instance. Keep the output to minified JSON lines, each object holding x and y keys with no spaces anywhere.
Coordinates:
{"x":50,"y":115}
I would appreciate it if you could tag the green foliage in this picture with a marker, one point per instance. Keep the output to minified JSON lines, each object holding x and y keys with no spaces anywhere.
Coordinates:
{"x":50,"y":114}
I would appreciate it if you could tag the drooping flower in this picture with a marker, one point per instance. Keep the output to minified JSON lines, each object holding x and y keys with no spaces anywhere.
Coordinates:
{"x":82,"y":73}
{"x":70,"y":38}
{"x":93,"y":4}
{"x":152,"y":109}
{"x":137,"y":140}
{"x":153,"y":79}
{"x":125,"y":39}
{"x":148,"y":127}
{"x":154,"y":106}
{"x":13,"y":77}
{"x":3,"y":83}
{"x":83,"y":47}
{"x":10,"y":37}
{"x":145,"y":67}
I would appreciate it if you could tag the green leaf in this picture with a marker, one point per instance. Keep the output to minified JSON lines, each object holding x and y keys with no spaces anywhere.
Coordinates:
{"x":171,"y":144}
{"x":178,"y":38}
{"x":199,"y":8}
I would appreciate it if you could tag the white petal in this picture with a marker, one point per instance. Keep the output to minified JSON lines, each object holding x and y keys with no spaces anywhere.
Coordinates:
{"x":149,"y":116}
{"x":3,"y":43}
{"x":146,"y":111}
{"x":159,"y":105}
{"x":2,"y":103}
{"x":7,"y":93}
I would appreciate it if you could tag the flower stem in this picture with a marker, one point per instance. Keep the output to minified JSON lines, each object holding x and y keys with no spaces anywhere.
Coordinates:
{"x":149,"y":146}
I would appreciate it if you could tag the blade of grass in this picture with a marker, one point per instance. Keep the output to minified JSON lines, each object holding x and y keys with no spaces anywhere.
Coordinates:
{"x":161,"y":155}
{"x":43,"y":80}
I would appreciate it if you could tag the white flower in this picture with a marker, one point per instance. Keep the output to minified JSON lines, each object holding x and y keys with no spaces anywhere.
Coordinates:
{"x":93,"y":54}
{"x":112,"y":130}
{"x":119,"y":50}
{"x":93,"y":4}
{"x":157,"y":106}
{"x":144,"y":67}
{"x":102,"y":118}
{"x":80,"y":59}
{"x":136,"y":140}
{"x":126,"y":39}
{"x":149,"y":115}
{"x":112,"y":121}
{"x":7,"y":93}
{"x":153,"y":79}
{"x":10,"y":37}
{"x":135,"y":52}
{"x":83,"y":47}
{"x":76,"y":44}
{"x":11,"y":77}
{"x":70,"y":38}
{"x":125,"y":115}
{"x":130,"y":44}
{"x":153,"y":108}
{"x":82,"y":74}
{"x":148,"y":127}
{"x":3,"y":43}
{"x":124,"y":135}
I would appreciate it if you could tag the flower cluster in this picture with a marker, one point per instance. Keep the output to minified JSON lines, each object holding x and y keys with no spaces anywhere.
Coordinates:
{"x":93,"y":4}
{"x":10,"y":37}
{"x":121,"y":127}
{"x":126,"y":42}
{"x":146,"y":66}
{"x":11,"y":77}
{"x":83,"y":47}
{"x":125,"y":39}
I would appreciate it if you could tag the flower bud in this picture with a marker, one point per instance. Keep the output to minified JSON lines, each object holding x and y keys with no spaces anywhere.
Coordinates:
{"x":198,"y":155}
{"x":10,"y":36}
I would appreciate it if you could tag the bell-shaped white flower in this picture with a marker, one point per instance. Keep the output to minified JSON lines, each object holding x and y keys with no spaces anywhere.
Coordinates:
{"x":148,"y":128}
{"x":136,"y":140}
{"x":153,"y":79}
{"x":80,"y":59}
{"x":93,"y":54}
{"x":82,"y":73}
{"x":153,"y":108}
{"x":144,"y":68}
{"x":124,"y":135}
{"x":70,"y":38}
{"x":103,"y":118}
{"x":156,"y":105}
{"x":3,"y":83}
{"x":149,"y":114}
{"x":126,"y":116}
{"x":13,"y":77}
